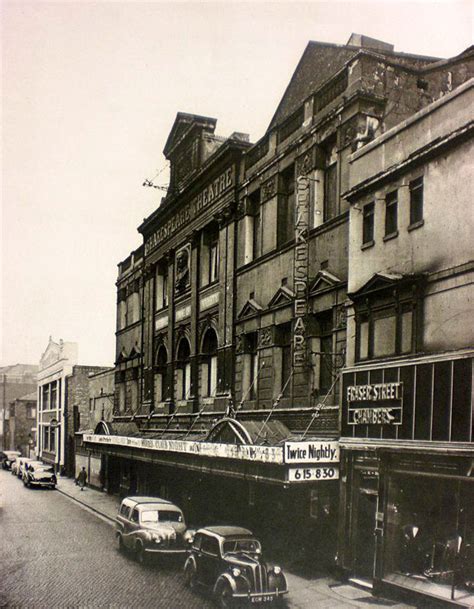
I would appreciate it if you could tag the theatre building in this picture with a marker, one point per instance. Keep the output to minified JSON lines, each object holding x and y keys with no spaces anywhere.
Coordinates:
{"x":231,"y":330}
{"x":407,"y":455}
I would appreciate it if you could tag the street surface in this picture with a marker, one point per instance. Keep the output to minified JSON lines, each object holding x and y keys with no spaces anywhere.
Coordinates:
{"x":53,"y":553}
{"x":56,"y":552}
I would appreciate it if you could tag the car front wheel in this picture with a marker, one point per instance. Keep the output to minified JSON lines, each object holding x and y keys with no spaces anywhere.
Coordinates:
{"x":190,"y":576}
{"x":224,"y":597}
{"x":140,"y":554}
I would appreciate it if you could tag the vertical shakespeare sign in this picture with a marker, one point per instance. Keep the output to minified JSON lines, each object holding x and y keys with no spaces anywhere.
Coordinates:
{"x":301,"y":271}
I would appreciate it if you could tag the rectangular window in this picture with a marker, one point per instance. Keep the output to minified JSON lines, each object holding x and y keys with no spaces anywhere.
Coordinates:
{"x":52,"y":439}
{"x":384,"y":335}
{"x":46,"y":397}
{"x":252,"y":361}
{"x":406,"y":331}
{"x":283,"y":360}
{"x":416,"y":201}
{"x":213,"y":262}
{"x":325,"y":355}
{"x":209,"y":255}
{"x":391,"y":213}
{"x":330,"y":184}
{"x":286,"y":207}
{"x":256,"y":225}
{"x":386,"y":331}
{"x":368,"y":224}
{"x":162,"y":286}
{"x":54,"y":395}
{"x":364,"y":339}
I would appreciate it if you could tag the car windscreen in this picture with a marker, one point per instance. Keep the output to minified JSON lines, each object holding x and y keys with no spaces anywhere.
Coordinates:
{"x":242,"y":545}
{"x":161,"y":516}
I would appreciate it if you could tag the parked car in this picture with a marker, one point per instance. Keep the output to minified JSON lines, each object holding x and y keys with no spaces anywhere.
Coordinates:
{"x":7,"y":457}
{"x":228,"y":560}
{"x":39,"y":474}
{"x":150,"y":525}
{"x":16,"y":465}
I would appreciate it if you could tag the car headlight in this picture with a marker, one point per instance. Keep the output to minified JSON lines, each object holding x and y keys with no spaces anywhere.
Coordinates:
{"x":276,"y":570}
{"x":156,"y":538}
{"x":236,"y":572}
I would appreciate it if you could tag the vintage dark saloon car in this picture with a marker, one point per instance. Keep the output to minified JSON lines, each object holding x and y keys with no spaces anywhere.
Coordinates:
{"x":229,"y":561}
{"x":150,"y":525}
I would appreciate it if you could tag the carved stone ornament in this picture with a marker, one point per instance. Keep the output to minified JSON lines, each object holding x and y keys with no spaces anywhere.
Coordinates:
{"x":265,"y":337}
{"x":269,"y":189}
{"x":239,"y":344}
{"x":240,"y":209}
{"x":183,"y":269}
{"x":305,"y":163}
{"x":341,"y":317}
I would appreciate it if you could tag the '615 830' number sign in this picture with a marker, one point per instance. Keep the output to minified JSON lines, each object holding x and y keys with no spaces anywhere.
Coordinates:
{"x":310,"y":474}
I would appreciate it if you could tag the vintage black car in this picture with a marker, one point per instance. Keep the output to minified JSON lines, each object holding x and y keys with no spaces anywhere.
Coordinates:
{"x":7,"y":457}
{"x":228,"y":560}
{"x":152,"y":526}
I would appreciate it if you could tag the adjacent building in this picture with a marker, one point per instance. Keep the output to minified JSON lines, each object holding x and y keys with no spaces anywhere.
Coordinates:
{"x":100,"y":394}
{"x":20,"y":425}
{"x":16,"y":381}
{"x":56,"y":364}
{"x":63,"y":404}
{"x":407,"y":458}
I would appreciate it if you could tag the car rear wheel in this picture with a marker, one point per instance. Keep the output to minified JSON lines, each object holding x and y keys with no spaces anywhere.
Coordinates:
{"x":224,"y":597}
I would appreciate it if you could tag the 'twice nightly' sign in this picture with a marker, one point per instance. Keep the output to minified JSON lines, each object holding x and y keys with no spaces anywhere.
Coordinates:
{"x":311,"y":452}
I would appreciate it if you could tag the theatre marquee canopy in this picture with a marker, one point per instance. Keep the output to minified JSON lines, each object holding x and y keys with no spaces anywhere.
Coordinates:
{"x":225,"y":457}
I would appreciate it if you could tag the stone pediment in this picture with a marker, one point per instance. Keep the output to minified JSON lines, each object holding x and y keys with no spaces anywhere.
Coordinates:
{"x":378,"y":282}
{"x":134,"y":351}
{"x":51,"y":355}
{"x":250,"y":308}
{"x":283,"y":296}
{"x":323,"y":282}
{"x":122,"y":357}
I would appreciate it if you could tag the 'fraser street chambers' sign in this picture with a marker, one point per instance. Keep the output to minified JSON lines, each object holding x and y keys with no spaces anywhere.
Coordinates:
{"x":377,"y":404}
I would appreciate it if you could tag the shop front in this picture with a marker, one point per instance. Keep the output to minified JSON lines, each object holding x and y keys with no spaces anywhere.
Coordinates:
{"x":407,"y":481}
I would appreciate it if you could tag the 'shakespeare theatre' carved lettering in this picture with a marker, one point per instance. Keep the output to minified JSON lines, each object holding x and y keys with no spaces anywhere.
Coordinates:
{"x":191,"y":210}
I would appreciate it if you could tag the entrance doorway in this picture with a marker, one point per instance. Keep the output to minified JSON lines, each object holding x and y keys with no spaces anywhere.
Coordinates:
{"x":364,"y":501}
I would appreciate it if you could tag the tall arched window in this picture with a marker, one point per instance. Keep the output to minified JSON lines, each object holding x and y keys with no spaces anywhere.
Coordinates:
{"x":161,"y":376}
{"x":183,"y":370}
{"x":209,"y":364}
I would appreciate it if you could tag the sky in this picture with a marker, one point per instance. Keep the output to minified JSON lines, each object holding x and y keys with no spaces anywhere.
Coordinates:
{"x":90,"y":91}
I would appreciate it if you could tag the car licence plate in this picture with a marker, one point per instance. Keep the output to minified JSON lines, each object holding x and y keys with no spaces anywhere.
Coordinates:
{"x":262,"y":599}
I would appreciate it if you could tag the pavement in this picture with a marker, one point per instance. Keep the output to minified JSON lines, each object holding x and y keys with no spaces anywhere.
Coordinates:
{"x":318,"y":592}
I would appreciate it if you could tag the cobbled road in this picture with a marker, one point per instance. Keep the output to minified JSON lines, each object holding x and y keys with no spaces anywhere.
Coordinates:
{"x":53,"y":553}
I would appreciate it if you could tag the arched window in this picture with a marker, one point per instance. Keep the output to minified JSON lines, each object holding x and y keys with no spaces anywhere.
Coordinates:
{"x":209,"y":364}
{"x":183,"y":370}
{"x":161,"y":376}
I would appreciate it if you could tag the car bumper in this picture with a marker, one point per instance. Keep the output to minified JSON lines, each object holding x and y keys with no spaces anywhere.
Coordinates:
{"x":42,"y":483}
{"x":259,"y":597}
{"x":166,"y":550}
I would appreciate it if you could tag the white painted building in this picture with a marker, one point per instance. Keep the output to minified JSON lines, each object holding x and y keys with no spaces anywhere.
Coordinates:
{"x":56,"y":364}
